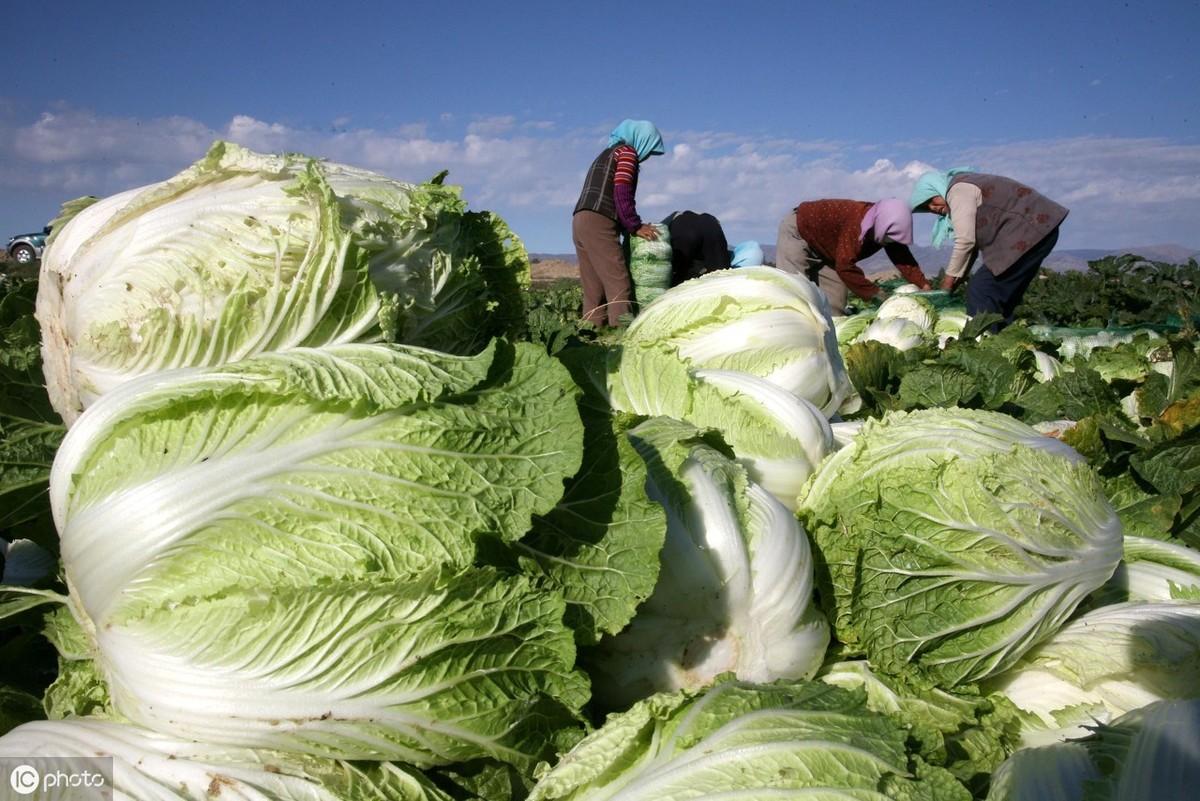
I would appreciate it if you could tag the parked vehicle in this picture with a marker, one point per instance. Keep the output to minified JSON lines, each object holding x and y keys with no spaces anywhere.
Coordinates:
{"x":24,"y":248}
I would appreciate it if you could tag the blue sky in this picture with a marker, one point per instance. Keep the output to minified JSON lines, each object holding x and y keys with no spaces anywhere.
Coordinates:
{"x":762,"y":104}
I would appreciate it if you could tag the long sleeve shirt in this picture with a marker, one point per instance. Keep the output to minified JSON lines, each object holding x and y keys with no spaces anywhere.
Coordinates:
{"x":833,"y":230}
{"x":964,"y":200}
{"x":625,"y":187}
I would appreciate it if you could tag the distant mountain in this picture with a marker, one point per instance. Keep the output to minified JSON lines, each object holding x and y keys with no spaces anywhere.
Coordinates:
{"x":933,"y":259}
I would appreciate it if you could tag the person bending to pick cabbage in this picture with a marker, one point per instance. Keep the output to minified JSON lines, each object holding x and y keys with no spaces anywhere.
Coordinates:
{"x":825,"y":240}
{"x":698,"y":245}
{"x":1012,"y":225}
{"x":605,"y":210}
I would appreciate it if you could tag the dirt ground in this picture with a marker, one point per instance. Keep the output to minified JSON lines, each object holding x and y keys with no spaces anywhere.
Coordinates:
{"x":545,"y":272}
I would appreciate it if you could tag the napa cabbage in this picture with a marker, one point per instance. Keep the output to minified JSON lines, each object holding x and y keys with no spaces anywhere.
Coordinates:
{"x":777,"y":436}
{"x":734,"y":592}
{"x":1145,"y":755}
{"x":278,"y":553}
{"x":141,"y":765}
{"x":801,"y":740}
{"x":914,"y":308}
{"x":849,"y":329}
{"x":245,"y":253}
{"x":951,"y":541}
{"x":902,"y":334}
{"x":754,"y":320}
{"x":1154,"y":570}
{"x":1105,"y":663}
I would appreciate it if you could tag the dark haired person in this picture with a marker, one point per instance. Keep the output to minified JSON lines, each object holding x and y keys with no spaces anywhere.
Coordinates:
{"x":698,"y":245}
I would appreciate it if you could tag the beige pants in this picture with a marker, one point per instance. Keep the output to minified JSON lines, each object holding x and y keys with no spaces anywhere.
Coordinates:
{"x":793,"y":255}
{"x":603,"y":273}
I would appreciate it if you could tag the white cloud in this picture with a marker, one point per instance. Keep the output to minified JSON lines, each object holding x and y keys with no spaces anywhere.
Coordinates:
{"x":492,"y":126}
{"x":1120,"y":190}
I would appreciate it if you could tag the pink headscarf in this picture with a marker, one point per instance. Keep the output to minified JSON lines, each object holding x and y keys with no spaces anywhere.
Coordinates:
{"x":891,"y":218}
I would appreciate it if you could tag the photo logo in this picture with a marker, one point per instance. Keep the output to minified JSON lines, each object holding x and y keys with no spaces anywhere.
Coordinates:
{"x":24,"y":779}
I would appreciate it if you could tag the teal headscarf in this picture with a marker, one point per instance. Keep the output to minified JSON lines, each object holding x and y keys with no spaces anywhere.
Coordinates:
{"x":936,"y":184}
{"x":746,"y":254}
{"x":641,"y":135}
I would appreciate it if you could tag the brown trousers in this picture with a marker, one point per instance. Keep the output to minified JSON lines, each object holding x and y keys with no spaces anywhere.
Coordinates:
{"x":607,"y":288}
{"x":794,"y":255}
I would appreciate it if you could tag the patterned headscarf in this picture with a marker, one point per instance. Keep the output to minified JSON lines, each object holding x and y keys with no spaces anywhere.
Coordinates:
{"x":641,"y":135}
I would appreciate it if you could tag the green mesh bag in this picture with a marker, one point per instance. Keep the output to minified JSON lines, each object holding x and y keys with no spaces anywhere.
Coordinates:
{"x":650,"y":265}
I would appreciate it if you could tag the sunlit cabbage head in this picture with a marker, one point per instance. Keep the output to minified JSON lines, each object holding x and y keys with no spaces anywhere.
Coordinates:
{"x":280,"y":552}
{"x":739,"y":741}
{"x":900,"y":333}
{"x":913,"y":308}
{"x":1105,"y":663}
{"x":951,"y":541}
{"x":1148,"y":754}
{"x":245,"y":253}
{"x":755,"y":320}
{"x":138,"y":764}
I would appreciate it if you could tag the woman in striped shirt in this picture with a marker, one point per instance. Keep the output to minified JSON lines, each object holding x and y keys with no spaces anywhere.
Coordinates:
{"x":605,"y":209}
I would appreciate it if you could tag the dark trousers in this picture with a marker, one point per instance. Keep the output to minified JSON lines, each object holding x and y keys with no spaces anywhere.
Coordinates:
{"x":1002,"y":293}
{"x":698,"y":246}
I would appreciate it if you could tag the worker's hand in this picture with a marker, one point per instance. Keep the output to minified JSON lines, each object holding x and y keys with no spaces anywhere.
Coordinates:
{"x":881,"y":296}
{"x":949,"y":282}
{"x":925,"y":286}
{"x":647,"y":232}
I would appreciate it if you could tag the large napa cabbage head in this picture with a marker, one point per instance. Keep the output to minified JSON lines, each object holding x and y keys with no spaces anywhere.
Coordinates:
{"x":755,"y":320}
{"x":734,"y":592}
{"x":951,"y":541}
{"x":244,"y":253}
{"x":1148,"y":754}
{"x":280,"y":552}
{"x":1102,"y":664}
{"x":136,"y":764}
{"x":778,"y":437}
{"x":737,"y":742}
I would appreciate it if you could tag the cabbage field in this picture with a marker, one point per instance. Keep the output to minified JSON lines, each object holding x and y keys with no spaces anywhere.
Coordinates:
{"x":306,"y":494}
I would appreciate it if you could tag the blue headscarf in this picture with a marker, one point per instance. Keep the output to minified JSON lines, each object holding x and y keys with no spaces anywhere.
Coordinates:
{"x":936,"y":184}
{"x":641,"y":135}
{"x":746,"y":254}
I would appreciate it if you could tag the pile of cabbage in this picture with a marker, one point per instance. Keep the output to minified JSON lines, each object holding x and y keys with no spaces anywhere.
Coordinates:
{"x":328,"y":529}
{"x":904,"y":320}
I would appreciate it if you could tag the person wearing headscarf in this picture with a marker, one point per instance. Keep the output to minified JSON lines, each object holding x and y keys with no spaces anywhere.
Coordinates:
{"x":1013,"y":226}
{"x":825,"y":240}
{"x":698,"y":245}
{"x":747,"y":254}
{"x":604,"y":212}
